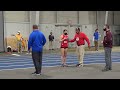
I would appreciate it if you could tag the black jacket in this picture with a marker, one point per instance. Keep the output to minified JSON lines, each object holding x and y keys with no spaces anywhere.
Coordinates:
{"x":51,"y":37}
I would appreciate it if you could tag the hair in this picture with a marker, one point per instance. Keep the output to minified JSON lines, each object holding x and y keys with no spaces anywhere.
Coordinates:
{"x":78,"y":29}
{"x":64,"y":30}
{"x":107,"y":26}
{"x":35,"y":27}
{"x":96,"y":29}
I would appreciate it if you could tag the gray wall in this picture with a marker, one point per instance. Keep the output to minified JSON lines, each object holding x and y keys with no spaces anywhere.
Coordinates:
{"x":65,"y":16}
{"x":47,"y":17}
{"x":116,"y":17}
{"x":101,"y":18}
{"x":1,"y":32}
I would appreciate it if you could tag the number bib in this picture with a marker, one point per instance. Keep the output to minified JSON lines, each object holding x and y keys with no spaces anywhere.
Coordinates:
{"x":65,"y":41}
{"x":77,"y":39}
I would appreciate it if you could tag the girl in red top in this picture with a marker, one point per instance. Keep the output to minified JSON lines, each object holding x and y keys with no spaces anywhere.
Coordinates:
{"x":64,"y":47}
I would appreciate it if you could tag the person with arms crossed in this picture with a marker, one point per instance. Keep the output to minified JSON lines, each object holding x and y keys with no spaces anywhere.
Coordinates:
{"x":107,"y":44}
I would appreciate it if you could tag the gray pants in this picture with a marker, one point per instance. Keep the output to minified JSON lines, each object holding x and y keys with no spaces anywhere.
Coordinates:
{"x":37,"y":60}
{"x":108,"y":60}
{"x":19,"y":46}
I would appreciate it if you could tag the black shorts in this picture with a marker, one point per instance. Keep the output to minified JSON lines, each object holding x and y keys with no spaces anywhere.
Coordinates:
{"x":64,"y":47}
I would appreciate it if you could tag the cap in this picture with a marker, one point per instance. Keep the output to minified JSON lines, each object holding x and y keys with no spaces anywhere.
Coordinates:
{"x":18,"y":31}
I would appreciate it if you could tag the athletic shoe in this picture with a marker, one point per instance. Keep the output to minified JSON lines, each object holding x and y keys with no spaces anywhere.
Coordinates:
{"x":79,"y":65}
{"x":105,"y":69}
{"x":110,"y":68}
{"x":38,"y":74}
{"x":34,"y":73}
{"x":65,"y":65}
{"x":62,"y":65}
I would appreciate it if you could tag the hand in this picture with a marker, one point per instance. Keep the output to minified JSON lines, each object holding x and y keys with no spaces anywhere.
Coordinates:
{"x":63,"y":39}
{"x":28,"y":51}
{"x":101,"y":42}
{"x":89,"y":47}
{"x":104,"y":27}
{"x":12,"y":35}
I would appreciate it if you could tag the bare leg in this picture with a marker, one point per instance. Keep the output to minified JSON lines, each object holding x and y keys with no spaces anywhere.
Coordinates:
{"x":62,"y":56}
{"x":65,"y":55}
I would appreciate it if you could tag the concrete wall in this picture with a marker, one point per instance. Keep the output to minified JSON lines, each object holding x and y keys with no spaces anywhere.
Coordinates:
{"x":47,"y":17}
{"x":65,"y":16}
{"x":83,"y":17}
{"x":101,"y":18}
{"x":1,"y":32}
{"x":87,"y":17}
{"x":16,"y":21}
{"x":116,"y":17}
{"x":12,"y":28}
{"x":23,"y":21}
{"x":17,"y":16}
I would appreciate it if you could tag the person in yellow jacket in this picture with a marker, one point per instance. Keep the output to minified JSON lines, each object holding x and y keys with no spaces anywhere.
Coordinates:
{"x":19,"y":41}
{"x":23,"y":43}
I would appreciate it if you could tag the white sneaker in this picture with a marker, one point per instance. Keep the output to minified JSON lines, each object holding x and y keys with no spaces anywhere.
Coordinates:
{"x":80,"y":65}
{"x":38,"y":74}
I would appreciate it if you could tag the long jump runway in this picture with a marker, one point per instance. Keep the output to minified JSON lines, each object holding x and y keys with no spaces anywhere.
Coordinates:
{"x":11,"y":62}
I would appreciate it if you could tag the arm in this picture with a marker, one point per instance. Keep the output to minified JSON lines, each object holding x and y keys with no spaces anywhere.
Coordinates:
{"x":99,"y":35}
{"x":87,"y":40}
{"x":13,"y":35}
{"x":73,"y":39}
{"x":61,"y":38}
{"x":93,"y":36}
{"x":44,"y":40}
{"x":53,"y":37}
{"x":108,"y":38}
{"x":49,"y":37}
{"x":30,"y":42}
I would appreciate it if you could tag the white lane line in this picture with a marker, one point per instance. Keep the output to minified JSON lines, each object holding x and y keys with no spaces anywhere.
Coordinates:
{"x":53,"y":61}
{"x":57,"y":63}
{"x":49,"y":66}
{"x":15,"y":54}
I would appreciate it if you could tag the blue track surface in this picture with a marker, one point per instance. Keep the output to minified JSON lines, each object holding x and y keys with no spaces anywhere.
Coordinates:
{"x":25,"y":61}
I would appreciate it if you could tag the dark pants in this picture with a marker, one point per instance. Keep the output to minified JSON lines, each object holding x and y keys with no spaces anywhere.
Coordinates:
{"x":108,"y":60}
{"x":37,"y":60}
{"x":96,"y":44}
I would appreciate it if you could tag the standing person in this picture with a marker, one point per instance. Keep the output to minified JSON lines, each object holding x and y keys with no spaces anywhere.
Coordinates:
{"x":96,"y":37}
{"x":64,"y":47}
{"x":80,"y":38}
{"x":36,"y":40}
{"x":51,"y":39}
{"x":107,"y":43}
{"x":23,"y":44}
{"x":19,"y":41}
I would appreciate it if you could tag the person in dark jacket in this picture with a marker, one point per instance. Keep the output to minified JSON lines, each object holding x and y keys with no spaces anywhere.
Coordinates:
{"x":36,"y":40}
{"x":107,"y":43}
{"x":51,"y":39}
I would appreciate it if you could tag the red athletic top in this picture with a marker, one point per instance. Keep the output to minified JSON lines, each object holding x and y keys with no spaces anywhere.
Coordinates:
{"x":64,"y":44}
{"x":80,"y":39}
